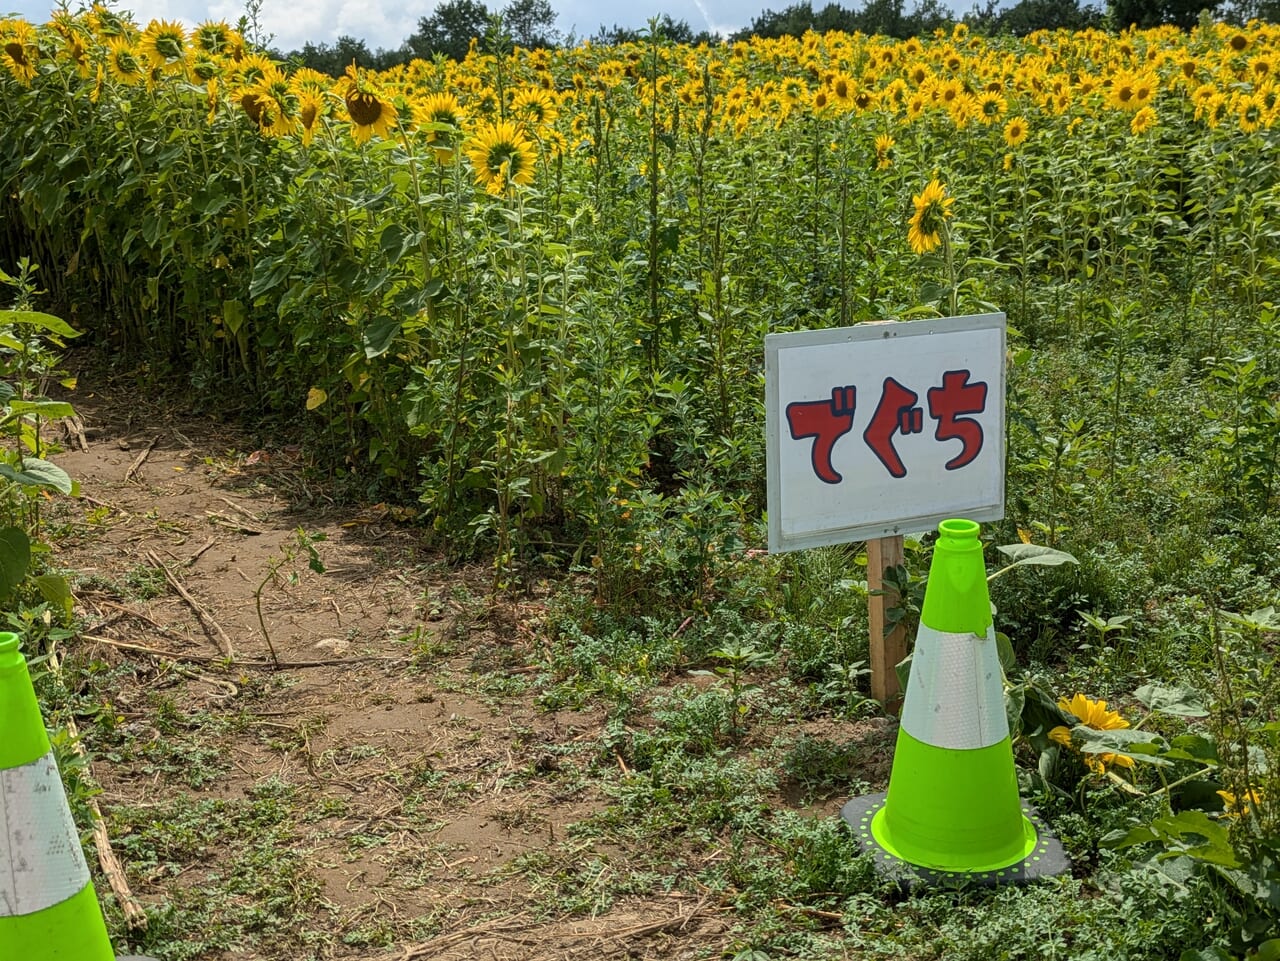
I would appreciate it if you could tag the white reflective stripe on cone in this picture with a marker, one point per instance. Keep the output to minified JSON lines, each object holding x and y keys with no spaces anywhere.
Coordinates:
{"x":955,"y":697}
{"x":41,"y":861}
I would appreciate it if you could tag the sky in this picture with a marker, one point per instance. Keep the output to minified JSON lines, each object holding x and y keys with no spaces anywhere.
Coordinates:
{"x":381,"y":23}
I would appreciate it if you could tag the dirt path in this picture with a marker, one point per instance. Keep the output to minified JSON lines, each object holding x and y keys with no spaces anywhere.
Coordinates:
{"x":394,"y":791}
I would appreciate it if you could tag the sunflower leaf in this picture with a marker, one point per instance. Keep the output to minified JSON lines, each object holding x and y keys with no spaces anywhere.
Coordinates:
{"x":1180,"y":700}
{"x":1035,"y":554}
{"x":34,"y":318}
{"x":37,"y":472}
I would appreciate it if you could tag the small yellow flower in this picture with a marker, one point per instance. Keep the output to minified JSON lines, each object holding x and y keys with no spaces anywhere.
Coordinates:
{"x":1234,"y":807}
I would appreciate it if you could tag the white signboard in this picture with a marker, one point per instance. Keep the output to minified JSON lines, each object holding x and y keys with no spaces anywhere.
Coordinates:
{"x":880,"y":429}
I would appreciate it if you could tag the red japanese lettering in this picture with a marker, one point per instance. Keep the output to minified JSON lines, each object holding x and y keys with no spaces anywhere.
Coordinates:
{"x":895,"y":414}
{"x":826,"y":421}
{"x":946,"y":403}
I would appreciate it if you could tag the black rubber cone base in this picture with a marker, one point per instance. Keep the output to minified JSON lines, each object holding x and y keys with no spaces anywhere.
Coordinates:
{"x":1046,"y":860}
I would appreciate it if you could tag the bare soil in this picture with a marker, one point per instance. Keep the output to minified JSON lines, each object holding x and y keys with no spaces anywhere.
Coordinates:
{"x":402,"y":730}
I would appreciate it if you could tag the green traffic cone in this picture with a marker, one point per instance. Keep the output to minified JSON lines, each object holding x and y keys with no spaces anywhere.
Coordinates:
{"x":952,"y":808}
{"x":48,"y":908}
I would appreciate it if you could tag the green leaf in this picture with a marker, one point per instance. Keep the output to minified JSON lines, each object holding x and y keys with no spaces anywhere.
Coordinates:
{"x":6,"y":392}
{"x":15,"y":557}
{"x":1004,"y":652}
{"x":1180,"y":700}
{"x":233,"y":315}
{"x":1193,"y":747}
{"x":34,"y":318}
{"x":1214,"y":953}
{"x":1139,"y":745}
{"x":1035,"y":554}
{"x":55,"y":589}
{"x":38,"y":472}
{"x":1138,"y":834}
{"x":45,"y":408}
{"x":380,"y":335}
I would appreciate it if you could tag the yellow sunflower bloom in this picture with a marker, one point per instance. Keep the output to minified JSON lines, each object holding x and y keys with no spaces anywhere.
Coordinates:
{"x":442,"y":117}
{"x":991,"y":107}
{"x":1144,"y":120}
{"x":502,"y":157}
{"x":125,"y":62}
{"x":213,"y":37}
{"x":1094,"y":715}
{"x":933,"y":209}
{"x":165,"y":45}
{"x":1016,"y":131}
{"x":536,"y":107}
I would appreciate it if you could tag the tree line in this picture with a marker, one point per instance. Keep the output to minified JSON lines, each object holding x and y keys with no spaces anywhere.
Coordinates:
{"x":451,"y":28}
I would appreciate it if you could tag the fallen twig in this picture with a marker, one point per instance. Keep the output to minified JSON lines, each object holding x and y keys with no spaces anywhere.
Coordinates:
{"x":141,"y":459}
{"x":222,"y":520}
{"x":239,"y":665}
{"x":202,"y":615}
{"x":196,"y":556}
{"x":240,"y":509}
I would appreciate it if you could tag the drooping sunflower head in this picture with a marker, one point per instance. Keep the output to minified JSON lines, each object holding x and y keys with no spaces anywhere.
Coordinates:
{"x":74,"y":45}
{"x":884,"y":151}
{"x":165,"y":45}
{"x":1016,"y":131}
{"x":1251,"y":112}
{"x":442,"y":118}
{"x":201,"y":67}
{"x":18,"y":50}
{"x":311,"y":111}
{"x":932,"y":211}
{"x":251,"y":68}
{"x":502,"y":157}
{"x":371,"y":111}
{"x":125,"y":62}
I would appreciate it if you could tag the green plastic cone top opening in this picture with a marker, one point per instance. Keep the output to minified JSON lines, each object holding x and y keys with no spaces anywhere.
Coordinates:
{"x":953,"y":802}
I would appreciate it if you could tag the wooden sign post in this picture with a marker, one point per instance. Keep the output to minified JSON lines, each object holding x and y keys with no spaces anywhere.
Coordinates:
{"x":878,"y":430}
{"x":888,"y":647}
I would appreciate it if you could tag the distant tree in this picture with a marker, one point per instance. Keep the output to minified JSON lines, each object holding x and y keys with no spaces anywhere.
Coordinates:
{"x":1029,"y":16}
{"x":531,"y":23}
{"x":677,"y":31}
{"x":450,"y":29}
{"x":1153,"y":13}
{"x":334,"y":59}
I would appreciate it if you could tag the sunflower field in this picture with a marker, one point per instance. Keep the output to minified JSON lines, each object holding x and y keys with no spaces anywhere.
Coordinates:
{"x":528,"y":292}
